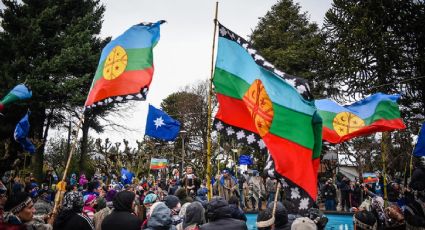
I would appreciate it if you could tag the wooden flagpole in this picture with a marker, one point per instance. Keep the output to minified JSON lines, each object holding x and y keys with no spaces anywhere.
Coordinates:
{"x":210,"y":109}
{"x":61,"y":186}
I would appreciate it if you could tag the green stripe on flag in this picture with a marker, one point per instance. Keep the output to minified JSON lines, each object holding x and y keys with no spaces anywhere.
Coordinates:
{"x":385,"y":110}
{"x":229,"y":84}
{"x":328,"y":118}
{"x":293,"y":126}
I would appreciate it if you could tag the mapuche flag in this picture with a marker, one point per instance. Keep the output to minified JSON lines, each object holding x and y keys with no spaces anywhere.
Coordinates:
{"x":376,"y":113}
{"x":125,"y":67}
{"x":19,"y":92}
{"x":158,"y":163}
{"x":262,"y":106}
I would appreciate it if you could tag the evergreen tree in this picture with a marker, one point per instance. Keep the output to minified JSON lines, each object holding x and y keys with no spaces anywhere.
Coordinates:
{"x":54,"y":47}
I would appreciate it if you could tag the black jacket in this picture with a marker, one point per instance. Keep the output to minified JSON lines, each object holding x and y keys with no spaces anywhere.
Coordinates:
{"x":225,"y":223}
{"x":72,"y":220}
{"x":120,"y":220}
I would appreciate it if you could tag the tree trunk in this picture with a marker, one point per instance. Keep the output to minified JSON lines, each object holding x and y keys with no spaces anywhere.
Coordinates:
{"x":84,"y":141}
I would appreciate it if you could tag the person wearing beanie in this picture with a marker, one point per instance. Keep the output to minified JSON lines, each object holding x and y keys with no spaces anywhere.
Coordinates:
{"x":262,"y":220}
{"x":219,"y":216}
{"x":89,"y":203}
{"x":71,"y":216}
{"x":281,"y":216}
{"x":181,"y":193}
{"x":364,"y":220}
{"x":303,"y":223}
{"x":173,"y":203}
{"x":101,"y":214}
{"x":160,"y":217}
{"x":122,"y":217}
{"x":19,"y":212}
{"x":43,"y":206}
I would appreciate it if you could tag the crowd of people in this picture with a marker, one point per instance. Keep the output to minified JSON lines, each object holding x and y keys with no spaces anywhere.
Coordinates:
{"x":180,"y":202}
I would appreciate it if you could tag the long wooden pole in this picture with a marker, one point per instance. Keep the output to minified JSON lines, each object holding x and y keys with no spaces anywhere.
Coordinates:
{"x":62,"y":184}
{"x":210,"y":93}
{"x":386,"y":140}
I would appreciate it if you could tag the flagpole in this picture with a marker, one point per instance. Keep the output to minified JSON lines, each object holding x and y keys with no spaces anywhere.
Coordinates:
{"x":61,"y":186}
{"x":386,"y":139}
{"x":210,"y":109}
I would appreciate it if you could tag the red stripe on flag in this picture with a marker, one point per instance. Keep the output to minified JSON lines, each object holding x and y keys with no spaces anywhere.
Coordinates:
{"x":294,"y":162}
{"x":129,"y":82}
{"x":377,"y":126}
{"x":234,"y":112}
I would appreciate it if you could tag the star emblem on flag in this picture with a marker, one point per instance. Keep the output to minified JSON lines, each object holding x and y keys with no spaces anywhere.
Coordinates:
{"x":159,"y":122}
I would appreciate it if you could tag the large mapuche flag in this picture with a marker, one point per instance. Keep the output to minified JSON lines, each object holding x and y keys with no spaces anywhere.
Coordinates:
{"x":19,"y":92}
{"x":376,"y":113}
{"x":262,"y":106}
{"x":125,"y":67}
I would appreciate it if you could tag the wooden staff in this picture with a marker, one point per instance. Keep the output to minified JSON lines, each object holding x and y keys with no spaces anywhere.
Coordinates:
{"x":386,"y":139}
{"x":210,"y":109}
{"x":61,"y":186}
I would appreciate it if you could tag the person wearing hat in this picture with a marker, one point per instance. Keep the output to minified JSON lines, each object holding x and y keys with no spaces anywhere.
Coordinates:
{"x":70,"y":216}
{"x":219,"y":216}
{"x":329,"y":194}
{"x":122,"y":217}
{"x":19,"y":213}
{"x":43,"y":206}
{"x":303,"y":223}
{"x":173,"y":203}
{"x":89,"y":204}
{"x":160,"y":218}
{"x":227,"y":185}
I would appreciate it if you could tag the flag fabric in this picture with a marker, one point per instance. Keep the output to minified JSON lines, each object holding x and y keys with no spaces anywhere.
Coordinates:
{"x":420,"y":144}
{"x":157,"y":163}
{"x":19,"y":92}
{"x":125,"y":68}
{"x":376,"y":113}
{"x":126,"y":176}
{"x":369,"y":178}
{"x":245,"y":160}
{"x":21,"y":134}
{"x":264,"y":107}
{"x":160,"y":125}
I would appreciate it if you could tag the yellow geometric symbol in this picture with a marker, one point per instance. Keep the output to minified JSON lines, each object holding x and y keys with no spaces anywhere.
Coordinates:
{"x":260,"y":107}
{"x":346,"y":122}
{"x":115,"y":63}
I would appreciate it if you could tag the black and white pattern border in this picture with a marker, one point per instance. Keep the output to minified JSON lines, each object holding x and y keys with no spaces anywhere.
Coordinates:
{"x":294,"y":193}
{"x":242,"y":136}
{"x":141,"y":96}
{"x":300,"y":84}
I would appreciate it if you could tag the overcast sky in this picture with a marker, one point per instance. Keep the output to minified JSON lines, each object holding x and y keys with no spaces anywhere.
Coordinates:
{"x":183,"y":54}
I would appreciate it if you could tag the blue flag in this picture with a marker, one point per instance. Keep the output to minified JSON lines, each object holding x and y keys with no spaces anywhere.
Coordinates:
{"x":245,"y":160}
{"x":160,"y":125}
{"x":21,"y":134}
{"x":126,"y":176}
{"x":420,"y":145}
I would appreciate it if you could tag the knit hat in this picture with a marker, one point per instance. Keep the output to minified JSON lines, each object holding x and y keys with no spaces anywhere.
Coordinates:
{"x":110,"y":195}
{"x":303,"y":223}
{"x":124,"y":201}
{"x":73,"y":201}
{"x":17,"y":202}
{"x":171,"y":201}
{"x":89,"y":198}
{"x":150,"y":198}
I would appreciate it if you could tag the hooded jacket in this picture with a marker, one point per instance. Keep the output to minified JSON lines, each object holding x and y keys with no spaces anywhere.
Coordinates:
{"x":219,"y":215}
{"x":160,"y":218}
{"x":121,"y":217}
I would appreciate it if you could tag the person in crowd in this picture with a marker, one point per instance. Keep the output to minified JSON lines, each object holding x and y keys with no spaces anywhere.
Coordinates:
{"x":160,"y":218}
{"x":303,"y":223}
{"x":183,"y":196}
{"x":344,"y":187}
{"x":172,"y":188}
{"x":241,"y":182}
{"x":19,"y":213}
{"x":219,"y":217}
{"x":264,"y":220}
{"x":236,"y":211}
{"x":100,"y":200}
{"x":281,"y":216}
{"x":201,"y":196}
{"x":355,"y":192}
{"x":83,"y":180}
{"x":92,"y":188}
{"x":71,"y":216}
{"x":43,"y":206}
{"x":182,"y":214}
{"x":89,"y":204}
{"x":329,"y":194}
{"x":122,"y":216}
{"x":257,"y":191}
{"x":364,"y":220}
{"x":292,"y":211}
{"x":173,"y":203}
{"x":415,"y":198}
{"x":101,"y":214}
{"x":227,"y":185}
{"x":270,"y":189}
{"x":190,"y":181}
{"x":194,"y":216}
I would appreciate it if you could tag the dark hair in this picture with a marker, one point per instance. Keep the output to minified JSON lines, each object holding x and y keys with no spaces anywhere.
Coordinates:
{"x":363,"y":219}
